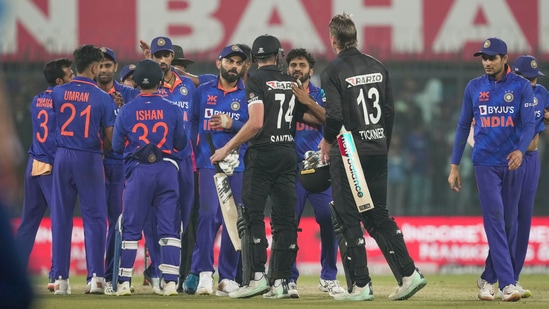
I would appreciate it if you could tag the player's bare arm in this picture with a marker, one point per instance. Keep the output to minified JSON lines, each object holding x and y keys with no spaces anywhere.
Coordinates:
{"x":454,"y":179}
{"x":146,"y":48}
{"x":251,"y":127}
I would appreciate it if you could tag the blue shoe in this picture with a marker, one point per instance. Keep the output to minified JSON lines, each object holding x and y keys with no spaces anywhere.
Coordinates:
{"x":190,"y":284}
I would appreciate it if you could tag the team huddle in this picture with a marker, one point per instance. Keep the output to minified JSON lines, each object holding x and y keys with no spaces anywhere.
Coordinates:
{"x":147,"y":155}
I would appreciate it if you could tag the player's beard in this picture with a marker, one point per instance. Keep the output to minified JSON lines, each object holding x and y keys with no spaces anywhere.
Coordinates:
{"x":303,"y":78}
{"x":104,"y":79}
{"x":231,"y":78}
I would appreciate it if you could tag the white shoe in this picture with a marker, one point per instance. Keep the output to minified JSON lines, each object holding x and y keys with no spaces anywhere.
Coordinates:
{"x":123,"y":289}
{"x":109,"y":289}
{"x":410,"y":286}
{"x":331,"y":286}
{"x":156,"y":286}
{"x":486,"y":290}
{"x":292,"y":289}
{"x":61,"y":287}
{"x":205,"y":283}
{"x":170,"y":289}
{"x":524,"y":293}
{"x":278,"y":290}
{"x":510,"y":293}
{"x":255,"y":287}
{"x":225,"y":287}
{"x":358,"y":293}
{"x":96,"y":285}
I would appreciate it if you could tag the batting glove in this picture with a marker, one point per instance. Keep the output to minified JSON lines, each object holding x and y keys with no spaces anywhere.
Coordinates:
{"x":230,"y":163}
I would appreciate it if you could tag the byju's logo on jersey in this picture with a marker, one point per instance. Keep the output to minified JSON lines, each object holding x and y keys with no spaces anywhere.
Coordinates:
{"x":483,"y":110}
{"x":208,"y":113}
{"x":365,"y":79}
{"x":274,"y":84}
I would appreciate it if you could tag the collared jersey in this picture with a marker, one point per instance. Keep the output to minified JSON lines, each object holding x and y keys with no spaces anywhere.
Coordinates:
{"x":308,"y":137}
{"x":43,"y":127}
{"x":270,"y":87}
{"x":82,"y":111}
{"x":211,"y":100}
{"x":149,"y":119}
{"x":504,"y":119}
{"x":181,"y":94}
{"x":358,"y":96}
{"x":128,"y":94}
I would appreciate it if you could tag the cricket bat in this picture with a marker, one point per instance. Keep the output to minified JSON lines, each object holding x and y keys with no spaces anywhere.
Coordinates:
{"x":226,"y":200}
{"x":353,"y":169}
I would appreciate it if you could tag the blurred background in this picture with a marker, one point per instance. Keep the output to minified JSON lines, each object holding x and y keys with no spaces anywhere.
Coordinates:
{"x":427,"y":45}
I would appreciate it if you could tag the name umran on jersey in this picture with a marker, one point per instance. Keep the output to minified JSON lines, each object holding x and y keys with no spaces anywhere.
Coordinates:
{"x":365,"y":79}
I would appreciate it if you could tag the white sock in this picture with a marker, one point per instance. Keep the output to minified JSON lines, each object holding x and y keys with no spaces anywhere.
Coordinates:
{"x":258,"y":275}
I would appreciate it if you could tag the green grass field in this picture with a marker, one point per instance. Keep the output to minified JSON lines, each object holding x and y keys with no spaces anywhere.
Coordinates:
{"x":442,"y":291}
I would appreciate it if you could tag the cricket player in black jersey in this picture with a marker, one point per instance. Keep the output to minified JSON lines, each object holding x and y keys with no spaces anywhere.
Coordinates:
{"x":270,"y":169}
{"x":359,"y":99}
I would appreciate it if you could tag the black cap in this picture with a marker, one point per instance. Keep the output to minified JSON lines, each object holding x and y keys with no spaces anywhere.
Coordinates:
{"x":179,"y":57}
{"x":147,"y":74}
{"x":265,"y":45}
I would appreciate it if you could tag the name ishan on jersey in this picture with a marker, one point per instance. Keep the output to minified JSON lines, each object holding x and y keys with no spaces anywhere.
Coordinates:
{"x":154,"y":114}
{"x":496,"y":116}
{"x":365,"y":79}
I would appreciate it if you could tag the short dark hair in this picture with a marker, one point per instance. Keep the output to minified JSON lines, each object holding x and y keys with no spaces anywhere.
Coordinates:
{"x":53,"y":70}
{"x":247,"y":50}
{"x":343,"y":29}
{"x":85,"y":55}
{"x":301,"y":53}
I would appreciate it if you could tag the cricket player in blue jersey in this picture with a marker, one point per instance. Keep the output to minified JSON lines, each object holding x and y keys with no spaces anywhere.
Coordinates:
{"x":502,"y":105}
{"x":38,"y":177}
{"x":527,"y":66}
{"x":180,"y":91}
{"x":83,"y":114}
{"x":148,"y":131}
{"x":300,"y":66}
{"x":112,"y":162}
{"x":220,"y":109}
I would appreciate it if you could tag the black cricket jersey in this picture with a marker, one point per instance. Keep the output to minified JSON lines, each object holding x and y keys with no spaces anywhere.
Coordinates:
{"x":274,"y":89}
{"x":358,"y":95}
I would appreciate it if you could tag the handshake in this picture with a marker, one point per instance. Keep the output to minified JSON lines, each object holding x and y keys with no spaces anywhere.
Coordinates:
{"x":230,"y":163}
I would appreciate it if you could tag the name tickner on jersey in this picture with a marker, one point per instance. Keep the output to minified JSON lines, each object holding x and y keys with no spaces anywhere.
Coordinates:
{"x":372,"y":134}
{"x":282,"y":138}
{"x":365,"y":79}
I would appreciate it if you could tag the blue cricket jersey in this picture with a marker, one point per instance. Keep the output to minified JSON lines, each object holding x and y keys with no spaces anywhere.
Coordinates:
{"x":308,"y":137}
{"x":82,"y":111}
{"x":181,"y":94}
{"x":149,"y":119}
{"x":43,"y":127}
{"x":504,"y":119}
{"x":541,"y":102}
{"x":210,"y":100}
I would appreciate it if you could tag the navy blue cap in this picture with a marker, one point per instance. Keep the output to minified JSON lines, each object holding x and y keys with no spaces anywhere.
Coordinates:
{"x":109,"y":53}
{"x":126,"y":71}
{"x":147,"y":73}
{"x":230,"y":50}
{"x":492,"y":47}
{"x":527,"y":66}
{"x":161,"y":43}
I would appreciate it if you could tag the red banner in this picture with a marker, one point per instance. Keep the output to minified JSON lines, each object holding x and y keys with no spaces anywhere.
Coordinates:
{"x":433,"y":242}
{"x":389,"y":29}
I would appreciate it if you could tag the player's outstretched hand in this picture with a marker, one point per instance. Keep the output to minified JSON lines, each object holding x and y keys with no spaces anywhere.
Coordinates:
{"x":145,"y":48}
